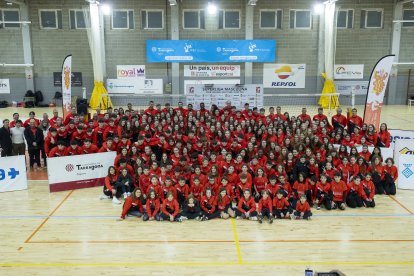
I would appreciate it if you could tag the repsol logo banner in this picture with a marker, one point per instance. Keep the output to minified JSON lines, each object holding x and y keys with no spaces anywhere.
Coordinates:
{"x":284,"y":75}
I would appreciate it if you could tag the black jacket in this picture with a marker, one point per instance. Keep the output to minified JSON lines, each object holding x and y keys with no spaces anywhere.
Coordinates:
{"x":5,"y":142}
{"x":30,"y":138}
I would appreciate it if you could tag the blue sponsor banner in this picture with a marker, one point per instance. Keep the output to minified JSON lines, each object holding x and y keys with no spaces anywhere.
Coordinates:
{"x":211,"y":50}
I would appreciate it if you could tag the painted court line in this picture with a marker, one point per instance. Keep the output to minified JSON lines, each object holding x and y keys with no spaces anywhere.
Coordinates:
{"x":46,"y":219}
{"x":186,"y":264}
{"x":399,"y":203}
{"x":236,"y":241}
{"x":115,"y":217}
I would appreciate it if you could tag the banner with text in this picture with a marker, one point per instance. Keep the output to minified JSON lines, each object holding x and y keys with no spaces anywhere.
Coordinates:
{"x":376,"y":90}
{"x":213,"y":71}
{"x":402,"y":147}
{"x":211,"y":50}
{"x":78,"y":171}
{"x":130,"y":71}
{"x":284,"y":75}
{"x":398,"y":134}
{"x":13,"y":175}
{"x":238,"y":95}
{"x":4,"y":86}
{"x":348,"y":71}
{"x":346,"y":87}
{"x":135,"y":86}
{"x":210,"y":82}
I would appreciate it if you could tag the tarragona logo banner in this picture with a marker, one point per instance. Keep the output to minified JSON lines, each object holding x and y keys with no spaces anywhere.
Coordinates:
{"x":376,"y":90}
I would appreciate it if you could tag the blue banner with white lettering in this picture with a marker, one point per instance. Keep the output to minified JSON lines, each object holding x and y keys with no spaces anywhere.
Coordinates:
{"x":211,"y":50}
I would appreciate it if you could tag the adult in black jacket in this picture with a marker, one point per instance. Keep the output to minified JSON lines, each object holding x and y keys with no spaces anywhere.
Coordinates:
{"x":34,"y":139}
{"x":5,"y":139}
{"x":302,"y":166}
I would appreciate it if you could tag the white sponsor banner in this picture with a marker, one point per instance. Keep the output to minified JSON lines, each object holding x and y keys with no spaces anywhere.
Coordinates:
{"x":348,"y":71}
{"x":346,"y":87}
{"x":403,"y":147}
{"x":130,"y":71}
{"x":214,"y":71}
{"x":215,"y":81}
{"x":397,"y":134}
{"x":406,"y":171}
{"x":4,"y":86}
{"x":134,"y":86}
{"x":78,"y":171}
{"x":238,"y":95}
{"x":67,"y":85}
{"x":284,"y":75}
{"x":13,"y":175}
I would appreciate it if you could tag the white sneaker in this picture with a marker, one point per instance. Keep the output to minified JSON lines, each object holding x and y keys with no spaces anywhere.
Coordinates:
{"x":102,"y":197}
{"x":184,"y":218}
{"x":253,"y":218}
{"x":125,"y":195}
{"x":115,"y":201}
{"x":128,"y":194}
{"x":238,"y":217}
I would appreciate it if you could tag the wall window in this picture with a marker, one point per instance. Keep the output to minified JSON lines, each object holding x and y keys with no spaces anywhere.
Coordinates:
{"x":50,"y":19}
{"x":371,"y":18}
{"x":152,"y":19}
{"x":193,"y":19}
{"x":270,"y":19}
{"x":408,"y":15}
{"x":300,"y":19}
{"x":229,"y":19}
{"x":345,"y":19}
{"x":9,"y":15}
{"x":122,"y":19}
{"x":77,"y":19}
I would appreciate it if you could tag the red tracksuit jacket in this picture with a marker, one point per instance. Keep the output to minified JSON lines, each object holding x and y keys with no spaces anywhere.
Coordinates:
{"x":249,"y":203}
{"x":265,"y":203}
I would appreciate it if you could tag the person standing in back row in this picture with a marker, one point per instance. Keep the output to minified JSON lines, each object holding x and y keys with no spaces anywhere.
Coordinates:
{"x":34,"y":138}
{"x":17,"y":135}
{"x":5,"y":139}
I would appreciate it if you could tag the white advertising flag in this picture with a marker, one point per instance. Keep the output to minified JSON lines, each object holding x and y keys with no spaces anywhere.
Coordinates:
{"x":67,"y":85}
{"x":284,"y":75}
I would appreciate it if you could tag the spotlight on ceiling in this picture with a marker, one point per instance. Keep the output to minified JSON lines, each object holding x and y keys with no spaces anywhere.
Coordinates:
{"x":106,"y":9}
{"x":173,"y":2}
{"x":252,"y":2}
{"x":318,"y":8}
{"x":211,"y":8}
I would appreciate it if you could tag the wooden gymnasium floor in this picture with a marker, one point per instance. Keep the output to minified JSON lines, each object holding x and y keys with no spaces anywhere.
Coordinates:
{"x":73,"y":232}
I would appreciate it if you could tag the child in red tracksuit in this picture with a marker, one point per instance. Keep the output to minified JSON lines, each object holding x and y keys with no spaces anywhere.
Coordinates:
{"x":197,"y":189}
{"x":133,"y":205}
{"x":209,"y":206}
{"x":339,"y":190}
{"x":356,"y":195}
{"x":191,"y":208}
{"x":224,"y":203}
{"x":324,"y":193}
{"x":170,"y":209}
{"x":265,"y":207}
{"x":281,"y":206}
{"x":301,"y":187}
{"x":302,"y":209}
{"x":246,"y":208}
{"x":182,"y":190}
{"x":369,"y":189}
{"x":152,"y":206}
{"x":259,"y":183}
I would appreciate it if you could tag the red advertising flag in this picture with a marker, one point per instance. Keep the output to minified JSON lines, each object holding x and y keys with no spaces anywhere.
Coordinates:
{"x":376,"y":90}
{"x":67,"y":85}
